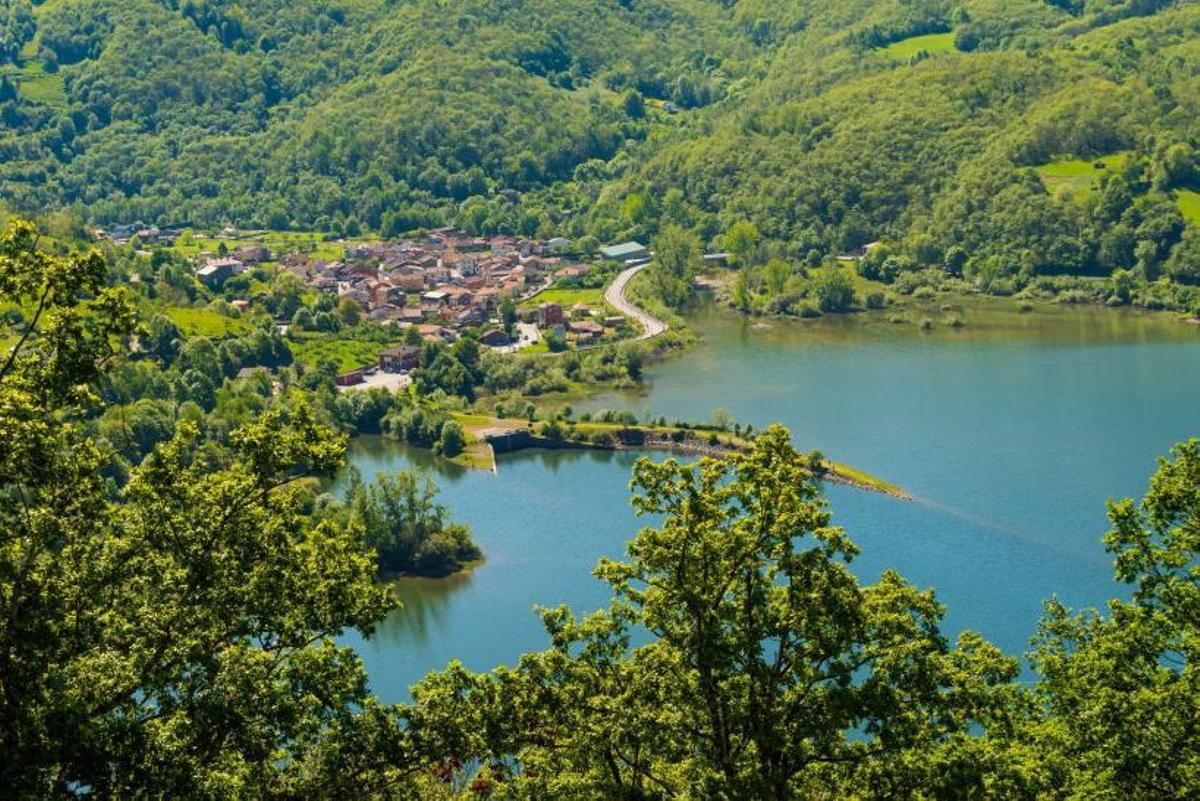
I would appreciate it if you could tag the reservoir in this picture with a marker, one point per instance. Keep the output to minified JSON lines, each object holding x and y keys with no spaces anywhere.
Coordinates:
{"x":1011,"y":432}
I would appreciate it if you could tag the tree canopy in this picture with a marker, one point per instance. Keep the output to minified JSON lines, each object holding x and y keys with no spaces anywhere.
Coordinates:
{"x":172,"y":636}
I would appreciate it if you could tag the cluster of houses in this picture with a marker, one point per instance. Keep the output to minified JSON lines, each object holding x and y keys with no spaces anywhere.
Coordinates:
{"x":583,"y":324}
{"x":445,"y":281}
{"x":216,"y":271}
{"x":439,"y":284}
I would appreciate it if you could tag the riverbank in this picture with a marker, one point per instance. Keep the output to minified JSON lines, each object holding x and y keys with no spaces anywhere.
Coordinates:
{"x":950,"y":307}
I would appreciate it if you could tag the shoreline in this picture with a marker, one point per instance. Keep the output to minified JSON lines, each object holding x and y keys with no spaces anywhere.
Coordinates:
{"x":717,"y":288}
{"x":492,"y":437}
{"x":483,"y":430}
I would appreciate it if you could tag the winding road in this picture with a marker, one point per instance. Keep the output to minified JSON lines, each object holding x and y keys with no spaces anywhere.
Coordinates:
{"x":615,"y":297}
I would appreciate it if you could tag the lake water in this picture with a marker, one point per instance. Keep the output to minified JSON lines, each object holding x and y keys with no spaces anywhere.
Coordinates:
{"x":1011,"y":433}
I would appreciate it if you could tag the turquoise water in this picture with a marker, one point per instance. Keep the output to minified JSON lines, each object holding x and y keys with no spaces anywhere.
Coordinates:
{"x":1011,"y":433}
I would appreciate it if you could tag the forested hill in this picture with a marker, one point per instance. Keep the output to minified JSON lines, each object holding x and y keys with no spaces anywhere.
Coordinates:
{"x":1037,"y":136}
{"x":305,"y":112}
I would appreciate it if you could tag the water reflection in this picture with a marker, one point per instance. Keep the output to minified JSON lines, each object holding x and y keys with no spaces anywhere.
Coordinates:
{"x":426,"y":608}
{"x":375,"y":454}
{"x":555,"y":460}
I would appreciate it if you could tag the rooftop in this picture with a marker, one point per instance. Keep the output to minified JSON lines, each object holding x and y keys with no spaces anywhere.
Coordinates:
{"x":622,"y":250}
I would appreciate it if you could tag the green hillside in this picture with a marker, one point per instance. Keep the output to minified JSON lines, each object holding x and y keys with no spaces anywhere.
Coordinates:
{"x":934,"y":126}
{"x":309,"y":114}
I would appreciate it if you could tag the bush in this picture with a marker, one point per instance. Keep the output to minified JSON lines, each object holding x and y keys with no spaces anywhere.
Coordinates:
{"x":556,"y":342}
{"x":908,"y":283}
{"x":551,"y":381}
{"x":551,"y":430}
{"x":1074,"y":296}
{"x":834,"y":291}
{"x":1002,"y":287}
{"x":451,"y":442}
{"x":445,"y":552}
{"x":876,"y":300}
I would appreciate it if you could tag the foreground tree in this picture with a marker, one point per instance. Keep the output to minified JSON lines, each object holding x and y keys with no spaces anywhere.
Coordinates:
{"x":770,"y":672}
{"x":172,"y":638}
{"x":1122,"y":692}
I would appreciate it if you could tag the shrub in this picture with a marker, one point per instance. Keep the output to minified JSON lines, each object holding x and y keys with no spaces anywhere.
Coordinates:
{"x":908,"y":283}
{"x":1073,"y":296}
{"x":550,"y":429}
{"x":834,"y":291}
{"x":876,"y":300}
{"x":556,"y":341}
{"x":451,"y":442}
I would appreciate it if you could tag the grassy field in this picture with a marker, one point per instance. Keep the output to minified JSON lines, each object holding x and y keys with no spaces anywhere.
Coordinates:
{"x":568,"y":297}
{"x":477,"y":454}
{"x":205,"y":322}
{"x":37,"y":85}
{"x":1189,"y":205}
{"x":1077,"y":177}
{"x":348,"y":354}
{"x":930,"y":43}
{"x":195,"y":243}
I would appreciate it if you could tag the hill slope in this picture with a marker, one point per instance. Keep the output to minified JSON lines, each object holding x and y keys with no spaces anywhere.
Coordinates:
{"x":929,"y":124}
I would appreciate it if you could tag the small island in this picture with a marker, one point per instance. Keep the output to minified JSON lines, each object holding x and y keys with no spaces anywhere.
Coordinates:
{"x":409,"y":530}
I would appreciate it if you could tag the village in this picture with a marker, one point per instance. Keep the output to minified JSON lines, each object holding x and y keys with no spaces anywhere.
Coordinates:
{"x":441,"y":284}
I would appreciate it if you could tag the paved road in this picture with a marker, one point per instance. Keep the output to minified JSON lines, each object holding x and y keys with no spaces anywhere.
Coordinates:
{"x":615,"y":297}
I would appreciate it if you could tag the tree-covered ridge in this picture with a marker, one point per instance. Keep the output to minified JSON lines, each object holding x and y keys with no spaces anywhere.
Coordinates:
{"x":827,"y":125}
{"x":297,"y":114}
{"x":936,"y":154}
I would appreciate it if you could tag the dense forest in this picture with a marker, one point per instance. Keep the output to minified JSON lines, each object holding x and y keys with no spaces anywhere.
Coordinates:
{"x":604,"y":120}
